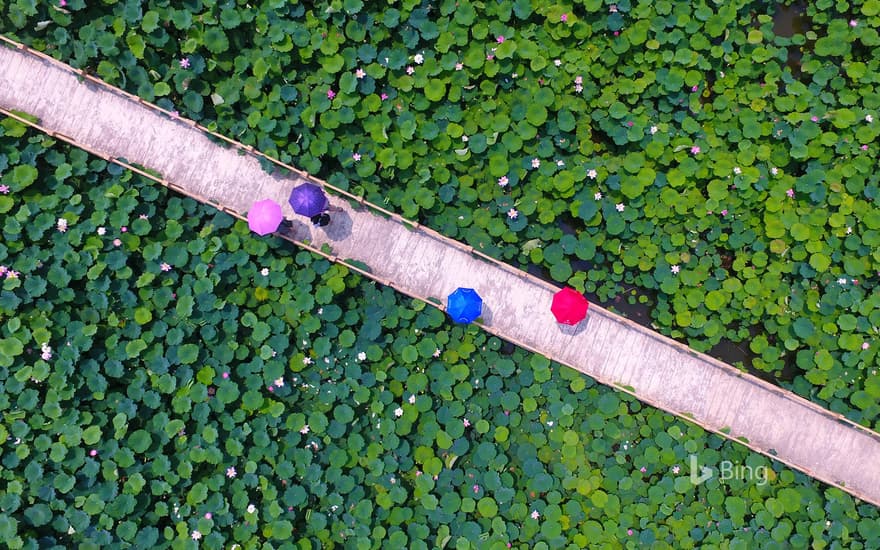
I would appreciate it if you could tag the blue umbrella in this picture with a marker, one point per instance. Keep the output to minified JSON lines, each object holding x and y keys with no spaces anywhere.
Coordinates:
{"x":464,"y":305}
{"x":308,"y":200}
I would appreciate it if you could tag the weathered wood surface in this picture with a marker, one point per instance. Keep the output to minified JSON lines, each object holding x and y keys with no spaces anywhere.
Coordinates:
{"x":421,"y":263}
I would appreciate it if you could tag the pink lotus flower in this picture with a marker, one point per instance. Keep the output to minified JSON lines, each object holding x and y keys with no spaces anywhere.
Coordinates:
{"x":208,"y":515}
{"x":500,"y":39}
{"x":383,"y":97}
{"x":410,"y":70}
{"x":466,"y":423}
{"x":790,"y":193}
{"x":93,"y":452}
{"x":230,"y":472}
{"x":184,"y":63}
{"x":643,"y":469}
{"x":331,"y":94}
{"x":459,"y":66}
{"x":116,"y":242}
{"x":502,"y":181}
{"x":563,"y":17}
{"x":695,"y":150}
{"x":165,"y":267}
{"x":360,"y":73}
{"x":865,"y":345}
{"x":513,"y":213}
{"x":225,"y":375}
{"x":4,"y":189}
{"x":853,"y":23}
{"x":356,"y":157}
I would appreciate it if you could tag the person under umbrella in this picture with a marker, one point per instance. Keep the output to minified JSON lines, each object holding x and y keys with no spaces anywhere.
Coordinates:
{"x":309,"y":200}
{"x":320,"y":220}
{"x":569,"y":306}
{"x":464,"y":305}
{"x":264,"y":217}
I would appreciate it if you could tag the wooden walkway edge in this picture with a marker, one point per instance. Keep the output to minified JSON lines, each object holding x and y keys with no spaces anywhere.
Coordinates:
{"x":417,"y":261}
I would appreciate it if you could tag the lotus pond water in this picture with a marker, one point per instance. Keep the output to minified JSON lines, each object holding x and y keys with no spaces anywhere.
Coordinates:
{"x":168,"y":379}
{"x":708,"y":157}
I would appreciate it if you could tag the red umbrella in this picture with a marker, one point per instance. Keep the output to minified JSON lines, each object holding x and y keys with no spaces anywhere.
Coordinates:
{"x":569,"y":306}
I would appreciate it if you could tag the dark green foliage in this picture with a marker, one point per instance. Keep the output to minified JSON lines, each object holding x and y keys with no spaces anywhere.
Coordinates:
{"x":350,"y":415}
{"x":769,"y":113}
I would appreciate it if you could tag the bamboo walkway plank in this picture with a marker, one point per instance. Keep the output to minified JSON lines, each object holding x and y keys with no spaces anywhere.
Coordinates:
{"x":421,"y":263}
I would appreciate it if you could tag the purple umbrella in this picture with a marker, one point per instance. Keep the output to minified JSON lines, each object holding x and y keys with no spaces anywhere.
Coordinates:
{"x":264,"y":217}
{"x":308,"y":200}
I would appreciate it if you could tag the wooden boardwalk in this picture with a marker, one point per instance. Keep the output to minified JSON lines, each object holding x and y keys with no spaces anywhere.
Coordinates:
{"x":421,"y":263}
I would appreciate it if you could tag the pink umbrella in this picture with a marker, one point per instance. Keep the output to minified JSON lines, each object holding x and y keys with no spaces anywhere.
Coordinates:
{"x":264,"y":217}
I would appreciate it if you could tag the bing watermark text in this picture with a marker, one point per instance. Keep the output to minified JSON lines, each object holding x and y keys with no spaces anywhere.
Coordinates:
{"x":727,"y":470}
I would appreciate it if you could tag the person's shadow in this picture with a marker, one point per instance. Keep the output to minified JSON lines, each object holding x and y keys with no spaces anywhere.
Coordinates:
{"x":295,"y":229}
{"x":574,"y":330}
{"x":486,"y":315}
{"x":339,"y":227}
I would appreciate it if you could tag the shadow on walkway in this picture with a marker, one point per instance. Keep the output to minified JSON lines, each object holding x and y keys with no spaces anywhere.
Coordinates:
{"x":296,"y":229}
{"x":339,"y":227}
{"x":574,"y":330}
{"x":486,"y":315}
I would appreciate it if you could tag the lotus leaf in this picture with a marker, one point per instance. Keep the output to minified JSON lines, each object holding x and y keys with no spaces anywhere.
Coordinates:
{"x":205,"y":338}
